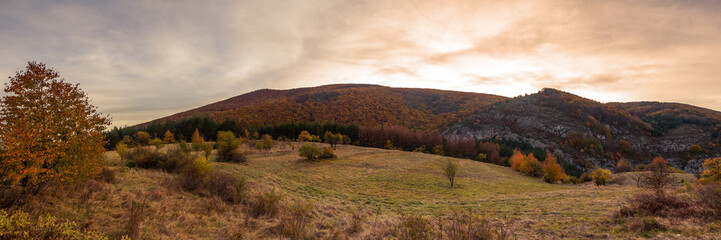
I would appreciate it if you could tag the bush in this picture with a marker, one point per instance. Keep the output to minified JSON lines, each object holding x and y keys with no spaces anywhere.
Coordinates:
{"x":327,"y":153}
{"x":553,"y":171}
{"x":467,"y":225}
{"x":195,"y":174}
{"x":294,"y":224}
{"x":709,"y":195}
{"x":19,"y":225}
{"x":266,"y":143}
{"x":585,"y":177}
{"x":227,"y":187}
{"x":184,"y":147}
{"x":157,"y":143}
{"x":623,"y":166}
{"x":312,"y":152}
{"x":658,"y":176}
{"x":531,"y":166}
{"x":601,"y":176}
{"x":304,"y":136}
{"x":108,"y":175}
{"x":567,"y":179}
{"x":176,"y":159}
{"x":228,"y":148}
{"x":646,"y":227}
{"x":416,"y":227}
{"x":145,"y":158}
{"x":265,"y":204}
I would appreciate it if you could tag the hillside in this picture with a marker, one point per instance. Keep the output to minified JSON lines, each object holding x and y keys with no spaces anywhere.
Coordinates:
{"x":372,"y":187}
{"x":366,"y":105}
{"x":581,"y":129}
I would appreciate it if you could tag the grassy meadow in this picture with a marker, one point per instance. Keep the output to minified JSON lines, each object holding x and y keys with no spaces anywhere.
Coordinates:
{"x":362,"y":194}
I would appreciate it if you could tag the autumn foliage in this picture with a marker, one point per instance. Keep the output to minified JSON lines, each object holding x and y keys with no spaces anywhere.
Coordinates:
{"x":50,"y":131}
{"x":553,"y":171}
{"x":712,"y":171}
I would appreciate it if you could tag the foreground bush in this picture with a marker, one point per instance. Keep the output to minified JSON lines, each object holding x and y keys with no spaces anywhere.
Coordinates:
{"x":416,"y":227}
{"x":467,"y":225}
{"x":265,"y":204}
{"x":195,"y":174}
{"x":228,"y":187}
{"x":19,"y":225}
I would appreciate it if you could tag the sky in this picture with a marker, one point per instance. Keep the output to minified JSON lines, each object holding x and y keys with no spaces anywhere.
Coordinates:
{"x":141,"y":60}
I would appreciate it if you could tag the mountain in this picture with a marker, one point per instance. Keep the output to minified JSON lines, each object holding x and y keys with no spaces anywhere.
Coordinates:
{"x":584,"y":130}
{"x":367,"y":105}
{"x":576,"y":128}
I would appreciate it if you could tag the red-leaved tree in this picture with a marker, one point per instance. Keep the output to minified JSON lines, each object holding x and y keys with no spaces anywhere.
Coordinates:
{"x":49,"y":130}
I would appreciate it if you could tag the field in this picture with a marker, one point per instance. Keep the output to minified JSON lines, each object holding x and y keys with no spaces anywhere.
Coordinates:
{"x":371,"y":187}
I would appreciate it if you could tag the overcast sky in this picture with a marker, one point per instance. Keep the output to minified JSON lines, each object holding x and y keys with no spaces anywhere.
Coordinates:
{"x":140,"y":60}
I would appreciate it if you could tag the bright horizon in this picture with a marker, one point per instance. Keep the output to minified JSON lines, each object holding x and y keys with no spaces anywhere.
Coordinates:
{"x":139,"y":61}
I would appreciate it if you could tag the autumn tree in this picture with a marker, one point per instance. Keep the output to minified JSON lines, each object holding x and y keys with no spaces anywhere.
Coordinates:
{"x":197,"y":140}
{"x":712,"y":171}
{"x":50,"y":130}
{"x":531,"y":166}
{"x":623,"y":166}
{"x":553,"y":170}
{"x":142,"y":138}
{"x":304,"y":136}
{"x":601,"y":176}
{"x":265,"y":143}
{"x":516,"y":160}
{"x":492,"y":152}
{"x":658,"y":176}
{"x":169,"y":137}
{"x":331,"y":138}
{"x":120,"y":148}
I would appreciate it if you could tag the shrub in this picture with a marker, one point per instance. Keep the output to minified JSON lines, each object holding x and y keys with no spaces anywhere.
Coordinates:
{"x":467,"y":225}
{"x":265,"y":204}
{"x":157,"y":143}
{"x":645,"y":204}
{"x":646,"y":227}
{"x":600,"y":176}
{"x":623,"y":166}
{"x":327,"y":153}
{"x":208,"y":149}
{"x":168,"y":137}
{"x":265,"y":143}
{"x":416,"y":227}
{"x":553,"y":171}
{"x":516,"y":160}
{"x":145,"y":158}
{"x":120,"y":148}
{"x":420,"y":149}
{"x":438,"y":150}
{"x":332,"y":138}
{"x":137,"y":211}
{"x":567,"y":179}
{"x":585,"y":177}
{"x":184,"y":147}
{"x":310,"y":151}
{"x":175,"y":161}
{"x":142,"y":138}
{"x":195,"y":174}
{"x":227,"y":187}
{"x":227,"y":146}
{"x":695,"y":149}
{"x":450,"y":170}
{"x":294,"y":224}
{"x":108,"y":175}
{"x":712,"y":171}
{"x":19,"y":225}
{"x":710,"y":195}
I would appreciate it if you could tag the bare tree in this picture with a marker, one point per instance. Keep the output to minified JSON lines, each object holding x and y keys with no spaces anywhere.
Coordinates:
{"x":450,"y":169}
{"x":658,"y":177}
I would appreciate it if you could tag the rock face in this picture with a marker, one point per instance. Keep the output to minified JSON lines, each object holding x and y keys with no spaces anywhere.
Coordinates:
{"x":572,"y":126}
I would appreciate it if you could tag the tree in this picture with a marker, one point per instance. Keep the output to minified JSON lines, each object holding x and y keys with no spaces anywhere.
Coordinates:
{"x":197,"y":140}
{"x":227,"y":146}
{"x":695,"y":149}
{"x":623,"y":166}
{"x":601,"y":176}
{"x":50,"y":131}
{"x":142,"y":138}
{"x":169,"y":137}
{"x":157,"y":143}
{"x":531,"y":166}
{"x":265,"y":143}
{"x":120,"y":148}
{"x":516,"y":160}
{"x":554,"y":171}
{"x":712,"y":171}
{"x":658,"y":176}
{"x":331,"y":138}
{"x":310,"y":152}
{"x":450,"y":169}
{"x":492,"y":152}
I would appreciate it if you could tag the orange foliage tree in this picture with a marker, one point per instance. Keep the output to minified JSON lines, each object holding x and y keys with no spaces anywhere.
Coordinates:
{"x":531,"y":166}
{"x":516,"y":160}
{"x":169,"y":137}
{"x":50,"y":131}
{"x":554,"y":171}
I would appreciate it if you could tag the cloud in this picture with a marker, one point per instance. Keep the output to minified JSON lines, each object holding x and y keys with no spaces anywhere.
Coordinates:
{"x":140,"y":60}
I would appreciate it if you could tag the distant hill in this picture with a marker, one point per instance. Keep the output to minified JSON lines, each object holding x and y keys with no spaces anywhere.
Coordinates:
{"x":583,"y":130}
{"x":367,"y":105}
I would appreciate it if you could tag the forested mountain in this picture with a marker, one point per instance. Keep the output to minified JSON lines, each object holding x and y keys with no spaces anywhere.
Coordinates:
{"x":581,"y":130}
{"x":365,"y":105}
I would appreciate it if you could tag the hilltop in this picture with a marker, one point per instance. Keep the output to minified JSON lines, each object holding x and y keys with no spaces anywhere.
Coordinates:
{"x":366,"y":105}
